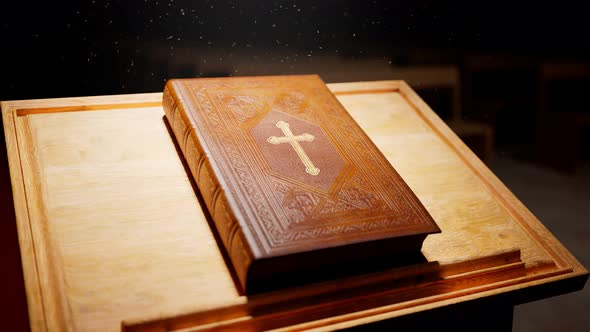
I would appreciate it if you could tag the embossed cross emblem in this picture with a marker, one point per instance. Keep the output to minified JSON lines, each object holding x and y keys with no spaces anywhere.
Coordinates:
{"x":294,"y":141}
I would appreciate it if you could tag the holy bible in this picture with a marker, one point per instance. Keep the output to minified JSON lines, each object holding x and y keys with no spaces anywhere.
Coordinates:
{"x":292,"y":184}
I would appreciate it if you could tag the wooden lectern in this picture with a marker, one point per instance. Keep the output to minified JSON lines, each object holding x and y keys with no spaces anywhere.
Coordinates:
{"x":113,"y":236}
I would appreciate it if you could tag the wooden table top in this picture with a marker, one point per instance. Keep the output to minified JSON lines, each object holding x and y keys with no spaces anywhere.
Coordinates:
{"x":112,"y":234}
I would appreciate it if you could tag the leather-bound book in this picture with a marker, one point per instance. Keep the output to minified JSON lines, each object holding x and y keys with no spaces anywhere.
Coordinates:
{"x":293,"y":185}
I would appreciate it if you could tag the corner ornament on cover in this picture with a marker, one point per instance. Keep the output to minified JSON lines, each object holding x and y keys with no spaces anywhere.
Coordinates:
{"x":294,"y":141}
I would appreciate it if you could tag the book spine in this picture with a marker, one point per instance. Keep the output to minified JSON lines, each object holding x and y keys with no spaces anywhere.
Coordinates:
{"x":213,"y":195}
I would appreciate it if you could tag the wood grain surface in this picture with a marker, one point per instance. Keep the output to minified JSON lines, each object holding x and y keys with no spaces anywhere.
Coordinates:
{"x":112,"y":234}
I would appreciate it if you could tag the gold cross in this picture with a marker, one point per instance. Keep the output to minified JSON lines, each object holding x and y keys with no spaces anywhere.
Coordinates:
{"x":294,"y":141}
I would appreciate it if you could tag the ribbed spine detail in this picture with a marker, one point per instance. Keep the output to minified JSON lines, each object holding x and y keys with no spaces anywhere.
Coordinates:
{"x":202,"y":172}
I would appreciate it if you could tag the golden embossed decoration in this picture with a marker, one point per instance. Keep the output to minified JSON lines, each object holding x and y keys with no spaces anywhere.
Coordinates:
{"x":294,"y":141}
{"x":320,"y":194}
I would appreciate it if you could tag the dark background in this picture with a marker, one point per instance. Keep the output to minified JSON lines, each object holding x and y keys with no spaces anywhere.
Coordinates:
{"x":74,"y":48}
{"x":510,"y":77}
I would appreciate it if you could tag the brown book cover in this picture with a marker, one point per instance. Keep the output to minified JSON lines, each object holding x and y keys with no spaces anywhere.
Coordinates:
{"x":292,"y":183}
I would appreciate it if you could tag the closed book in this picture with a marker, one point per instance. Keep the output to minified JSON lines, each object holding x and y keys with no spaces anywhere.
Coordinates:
{"x":293,"y":185}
